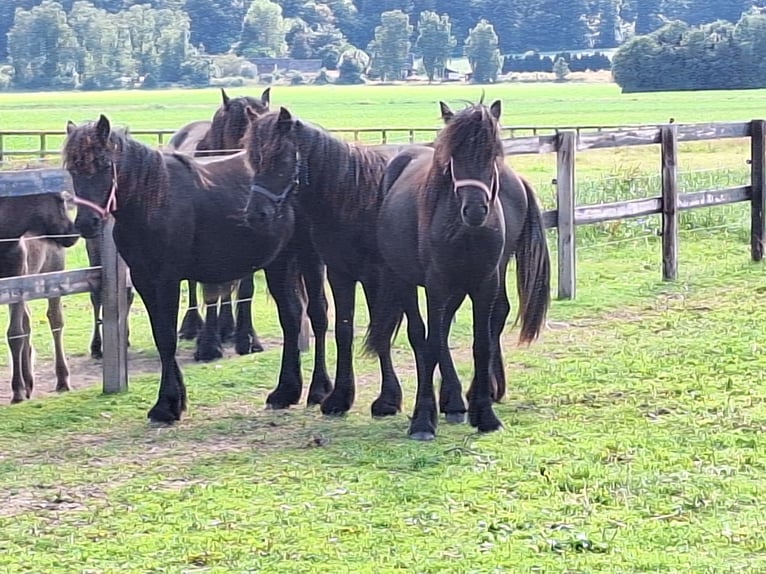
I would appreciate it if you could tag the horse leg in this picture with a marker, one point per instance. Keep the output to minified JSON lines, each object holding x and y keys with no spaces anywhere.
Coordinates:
{"x":280,"y":278}
{"x":500,"y":312}
{"x":424,"y":418}
{"x":28,"y":355}
{"x":339,"y":401}
{"x":312,"y":271}
{"x":192,"y":322}
{"x":226,"y":312}
{"x":93,"y":248}
{"x":480,"y":413}
{"x":389,"y":401}
{"x":131,"y":296}
{"x":161,"y":302}
{"x":246,"y":340}
{"x":209,"y":346}
{"x":56,"y":323}
{"x":304,"y":339}
{"x":451,"y":402}
{"x":18,"y":339}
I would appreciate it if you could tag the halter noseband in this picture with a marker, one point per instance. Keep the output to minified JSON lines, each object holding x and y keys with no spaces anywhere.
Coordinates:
{"x":490,"y":190}
{"x":278,"y":198}
{"x":111,"y":201}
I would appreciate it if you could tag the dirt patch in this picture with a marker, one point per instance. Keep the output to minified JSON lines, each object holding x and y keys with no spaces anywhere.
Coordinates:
{"x":48,"y":498}
{"x":85,"y":372}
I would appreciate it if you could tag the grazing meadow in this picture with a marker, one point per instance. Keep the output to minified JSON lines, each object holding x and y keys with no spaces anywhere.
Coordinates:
{"x":633,"y":427}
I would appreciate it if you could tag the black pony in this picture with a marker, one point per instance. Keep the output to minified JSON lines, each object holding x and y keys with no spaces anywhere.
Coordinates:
{"x":176,"y":219}
{"x":221,"y":136}
{"x":338,"y":191}
{"x":452,"y":217}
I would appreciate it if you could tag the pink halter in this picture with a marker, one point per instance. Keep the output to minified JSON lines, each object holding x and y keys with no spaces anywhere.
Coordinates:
{"x":490,"y":190}
{"x":111,"y":202}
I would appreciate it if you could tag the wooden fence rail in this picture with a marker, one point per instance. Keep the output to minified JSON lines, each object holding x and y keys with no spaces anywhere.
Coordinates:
{"x":567,"y":216}
{"x":45,"y":148}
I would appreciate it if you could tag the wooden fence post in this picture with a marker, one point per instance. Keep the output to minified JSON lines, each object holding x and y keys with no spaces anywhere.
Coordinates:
{"x":757,"y":164}
{"x":565,"y":206}
{"x":114,"y":298}
{"x":669,"y":145}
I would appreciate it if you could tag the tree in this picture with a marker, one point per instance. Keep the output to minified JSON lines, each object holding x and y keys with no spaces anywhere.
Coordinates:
{"x":104,"y":53}
{"x":608,"y":23}
{"x":435,"y":41}
{"x":263,"y":31}
{"x":215,"y":23}
{"x":391,"y":44}
{"x":482,"y":52}
{"x":43,"y":48}
{"x":351,"y":66}
{"x":561,"y":69}
{"x":647,"y":16}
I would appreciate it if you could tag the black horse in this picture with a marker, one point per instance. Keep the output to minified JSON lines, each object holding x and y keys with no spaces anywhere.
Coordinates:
{"x":339,"y":192}
{"x":176,"y":219}
{"x":221,"y":136}
{"x":452,"y":217}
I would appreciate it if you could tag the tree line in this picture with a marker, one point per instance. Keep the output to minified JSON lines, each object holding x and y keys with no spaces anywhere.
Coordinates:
{"x":101,"y":43}
{"x":678,"y":56}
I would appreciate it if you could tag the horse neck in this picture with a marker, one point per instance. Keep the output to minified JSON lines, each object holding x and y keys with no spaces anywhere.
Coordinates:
{"x":341,"y":174}
{"x":141,"y":173}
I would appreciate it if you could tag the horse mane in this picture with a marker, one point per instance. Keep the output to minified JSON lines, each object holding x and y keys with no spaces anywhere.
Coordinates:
{"x":346,"y":176}
{"x":142,"y":172}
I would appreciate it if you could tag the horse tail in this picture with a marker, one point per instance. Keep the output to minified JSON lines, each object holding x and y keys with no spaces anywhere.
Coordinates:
{"x":386,"y":315}
{"x":533,"y":271}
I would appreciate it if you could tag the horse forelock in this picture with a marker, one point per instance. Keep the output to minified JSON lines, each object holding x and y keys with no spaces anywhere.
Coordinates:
{"x":474,"y":130}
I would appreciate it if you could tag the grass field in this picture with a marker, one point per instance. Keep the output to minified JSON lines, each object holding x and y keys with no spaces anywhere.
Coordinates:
{"x":632,"y":439}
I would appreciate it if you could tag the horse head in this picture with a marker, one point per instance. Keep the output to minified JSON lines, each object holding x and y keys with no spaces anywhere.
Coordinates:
{"x":468,"y":153}
{"x":90,"y":158}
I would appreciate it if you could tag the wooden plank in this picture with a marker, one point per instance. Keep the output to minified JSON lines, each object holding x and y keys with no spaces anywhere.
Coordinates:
{"x":34,"y":181}
{"x":651,"y":135}
{"x":550,"y":219}
{"x":589,"y":214}
{"x":46,"y":285}
{"x":757,"y":184}
{"x":713,"y":197}
{"x":618,"y":138}
{"x":529,"y":145}
{"x":669,"y":149}
{"x":114,"y":297}
{"x":565,"y":205}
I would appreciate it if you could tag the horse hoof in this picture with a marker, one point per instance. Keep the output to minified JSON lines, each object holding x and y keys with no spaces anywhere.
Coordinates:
{"x":17,"y":400}
{"x":152,"y":424}
{"x":455,"y":418}
{"x":256,"y":347}
{"x":97,"y":355}
{"x":381,"y":409}
{"x":207,"y":356}
{"x":422,"y":436}
{"x":315,"y":400}
{"x":63,"y":388}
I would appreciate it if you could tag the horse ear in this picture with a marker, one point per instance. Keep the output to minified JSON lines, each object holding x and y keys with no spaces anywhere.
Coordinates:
{"x":103,"y":128}
{"x":447,"y":113}
{"x":285,"y":120}
{"x":70,"y":127}
{"x":266,"y":97}
{"x":495,"y":109}
{"x":225,"y":98}
{"x":252,"y":113}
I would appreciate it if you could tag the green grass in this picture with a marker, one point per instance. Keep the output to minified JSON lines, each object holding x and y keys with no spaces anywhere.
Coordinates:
{"x":632,"y":439}
{"x":631,"y":445}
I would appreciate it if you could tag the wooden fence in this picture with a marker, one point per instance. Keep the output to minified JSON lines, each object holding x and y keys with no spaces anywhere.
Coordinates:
{"x":18,"y":143}
{"x":566,"y":144}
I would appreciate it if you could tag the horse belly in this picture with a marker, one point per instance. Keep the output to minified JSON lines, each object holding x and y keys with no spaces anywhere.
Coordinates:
{"x":397,"y":236}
